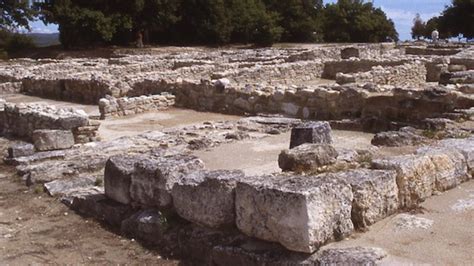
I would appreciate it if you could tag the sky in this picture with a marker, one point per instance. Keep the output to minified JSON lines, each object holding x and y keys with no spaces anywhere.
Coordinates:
{"x":401,"y":12}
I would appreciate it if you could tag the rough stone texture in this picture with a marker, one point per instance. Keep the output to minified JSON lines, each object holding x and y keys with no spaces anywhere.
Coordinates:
{"x":20,"y":149}
{"x":64,"y":186}
{"x":307,"y":157}
{"x":148,"y":226}
{"x":465,"y":147}
{"x":118,"y":177}
{"x":349,"y":52}
{"x":398,"y":138}
{"x":311,"y":132}
{"x":416,"y":176}
{"x":111,"y":106}
{"x":451,"y":166}
{"x":207,"y":197}
{"x":153,"y":179}
{"x":301,"y":213}
{"x":50,"y":140}
{"x":342,"y":78}
{"x":351,"y":256}
{"x":375,"y":195}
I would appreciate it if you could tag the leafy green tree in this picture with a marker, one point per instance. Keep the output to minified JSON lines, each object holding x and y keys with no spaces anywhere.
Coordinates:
{"x":418,"y":29}
{"x":356,"y":21}
{"x":298,"y":18}
{"x":15,"y":13}
{"x":458,"y":18}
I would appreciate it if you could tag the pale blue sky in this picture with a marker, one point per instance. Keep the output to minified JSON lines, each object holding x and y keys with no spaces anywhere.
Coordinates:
{"x":401,"y":12}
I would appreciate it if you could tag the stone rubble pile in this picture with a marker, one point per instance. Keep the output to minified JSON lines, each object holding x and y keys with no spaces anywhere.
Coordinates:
{"x":50,"y":128}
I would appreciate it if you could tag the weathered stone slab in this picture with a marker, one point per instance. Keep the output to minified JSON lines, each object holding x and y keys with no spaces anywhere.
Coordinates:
{"x":118,"y":177}
{"x":64,"y":186}
{"x":148,"y":226}
{"x":207,"y":197}
{"x":21,"y":149}
{"x":375,"y":195}
{"x":301,"y":213}
{"x":311,"y":132}
{"x":154,"y":179}
{"x":49,"y":140}
{"x":465,"y":147}
{"x":349,"y":52}
{"x":451,"y":166}
{"x":307,"y":157}
{"x":351,"y":256}
{"x":416,"y":176}
{"x":397,"y":139}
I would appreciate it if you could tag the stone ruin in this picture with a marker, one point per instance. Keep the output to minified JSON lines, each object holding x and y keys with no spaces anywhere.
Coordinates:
{"x":156,"y":190}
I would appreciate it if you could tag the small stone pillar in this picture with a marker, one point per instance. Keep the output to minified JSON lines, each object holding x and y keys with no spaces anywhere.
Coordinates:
{"x":311,"y":132}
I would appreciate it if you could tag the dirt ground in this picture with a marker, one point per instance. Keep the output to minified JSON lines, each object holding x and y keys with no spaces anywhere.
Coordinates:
{"x":38,"y":229}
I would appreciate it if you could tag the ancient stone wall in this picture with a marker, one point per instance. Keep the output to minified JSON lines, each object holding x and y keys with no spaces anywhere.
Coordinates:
{"x":408,"y":74}
{"x":21,"y":120}
{"x":111,"y":106}
{"x":355,"y":65}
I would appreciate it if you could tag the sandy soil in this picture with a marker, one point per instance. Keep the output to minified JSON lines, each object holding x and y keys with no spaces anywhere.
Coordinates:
{"x":113,"y":128}
{"x":261,"y":156}
{"x":448,"y":241}
{"x":35,"y":228}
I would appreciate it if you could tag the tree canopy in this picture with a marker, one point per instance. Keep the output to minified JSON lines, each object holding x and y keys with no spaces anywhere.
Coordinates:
{"x":418,"y":29}
{"x":356,"y":21}
{"x":15,"y":13}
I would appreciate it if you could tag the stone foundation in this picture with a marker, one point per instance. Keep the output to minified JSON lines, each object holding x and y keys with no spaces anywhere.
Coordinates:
{"x":110,"y":106}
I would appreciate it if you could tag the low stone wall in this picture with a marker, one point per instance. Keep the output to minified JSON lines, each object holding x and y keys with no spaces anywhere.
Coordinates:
{"x":353,"y":66}
{"x":10,"y":87}
{"x":431,"y":51}
{"x":409,"y":74}
{"x":22,"y":120}
{"x":73,"y":90}
{"x":317,"y":102}
{"x":110,"y":106}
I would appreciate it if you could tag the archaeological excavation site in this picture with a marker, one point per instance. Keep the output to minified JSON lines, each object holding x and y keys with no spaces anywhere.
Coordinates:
{"x":309,"y":154}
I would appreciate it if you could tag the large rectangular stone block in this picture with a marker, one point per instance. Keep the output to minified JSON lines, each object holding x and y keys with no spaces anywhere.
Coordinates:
{"x":153,"y":179}
{"x":375,"y":194}
{"x":49,"y":140}
{"x":465,"y":147}
{"x":451,"y":166}
{"x":311,"y":132}
{"x":416,"y":176}
{"x":207,"y":197}
{"x":118,"y":177}
{"x":301,"y":213}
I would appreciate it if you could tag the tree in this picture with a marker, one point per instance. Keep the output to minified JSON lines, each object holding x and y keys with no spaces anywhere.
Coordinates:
{"x":458,"y":19}
{"x":15,"y":13}
{"x":418,"y":29}
{"x":356,"y":21}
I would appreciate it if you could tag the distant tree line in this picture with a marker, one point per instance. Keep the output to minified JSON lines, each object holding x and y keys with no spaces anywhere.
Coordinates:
{"x":214,"y":22}
{"x":262,"y":22}
{"x":456,"y":19}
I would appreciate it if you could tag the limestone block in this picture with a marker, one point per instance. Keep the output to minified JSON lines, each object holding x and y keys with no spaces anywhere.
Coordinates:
{"x":311,"y":132}
{"x":147,"y":225}
{"x":118,"y":177}
{"x":465,"y":147}
{"x":20,"y":149}
{"x":207,"y":197}
{"x":416,"y":176}
{"x":48,"y":140}
{"x":375,"y":194}
{"x":351,"y":256}
{"x":450,"y":164}
{"x":301,"y":213}
{"x":307,"y":157}
{"x":349,"y":52}
{"x":153,"y":179}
